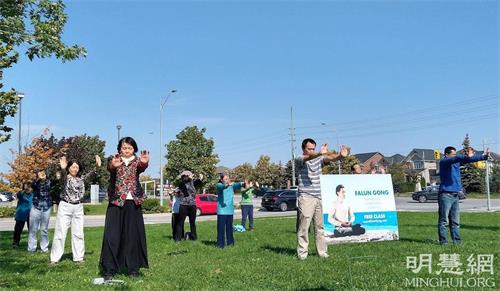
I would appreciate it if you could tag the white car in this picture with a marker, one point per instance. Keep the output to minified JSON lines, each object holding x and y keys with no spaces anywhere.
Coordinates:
{"x":6,"y":197}
{"x":3,"y":198}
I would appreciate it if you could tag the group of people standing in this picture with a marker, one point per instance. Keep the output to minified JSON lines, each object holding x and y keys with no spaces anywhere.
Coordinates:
{"x":184,"y":205}
{"x":309,"y":166}
{"x":124,"y":239}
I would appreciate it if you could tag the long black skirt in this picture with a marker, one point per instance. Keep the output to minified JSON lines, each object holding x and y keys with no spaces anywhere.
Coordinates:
{"x":124,"y":241}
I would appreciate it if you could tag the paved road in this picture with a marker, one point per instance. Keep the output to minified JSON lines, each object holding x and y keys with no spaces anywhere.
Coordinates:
{"x":402,"y":204}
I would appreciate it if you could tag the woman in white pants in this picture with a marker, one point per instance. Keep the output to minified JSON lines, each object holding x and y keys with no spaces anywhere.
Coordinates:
{"x":70,"y":210}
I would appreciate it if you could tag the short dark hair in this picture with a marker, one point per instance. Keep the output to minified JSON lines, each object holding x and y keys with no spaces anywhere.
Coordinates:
{"x":339,"y":187}
{"x":221,"y":177}
{"x":128,"y":140}
{"x":27,"y":183}
{"x":352,"y":167}
{"x":307,"y":140}
{"x":449,"y":149}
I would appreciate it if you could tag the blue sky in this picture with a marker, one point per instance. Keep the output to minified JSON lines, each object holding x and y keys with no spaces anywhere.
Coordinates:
{"x":384,"y":76}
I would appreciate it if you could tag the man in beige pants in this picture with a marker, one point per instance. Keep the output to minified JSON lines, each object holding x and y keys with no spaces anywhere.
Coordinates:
{"x":309,"y":167}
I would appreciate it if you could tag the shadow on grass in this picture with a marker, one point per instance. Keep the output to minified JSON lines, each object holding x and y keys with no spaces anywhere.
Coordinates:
{"x":280,"y":250}
{"x":422,"y":241}
{"x":69,"y":256}
{"x":176,"y":253}
{"x":209,"y":243}
{"x":317,"y":288}
{"x":480,"y":227}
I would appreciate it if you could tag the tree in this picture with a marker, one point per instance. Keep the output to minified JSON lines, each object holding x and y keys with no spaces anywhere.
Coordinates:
{"x":37,"y":156}
{"x":243,"y":171}
{"x":472,"y":178}
{"x":345,"y":166}
{"x":83,"y":149}
{"x":397,"y":172}
{"x":267,"y":173}
{"x":289,"y":173}
{"x":36,"y":25}
{"x":44,"y":153}
{"x":495,"y":177}
{"x":192,"y":151}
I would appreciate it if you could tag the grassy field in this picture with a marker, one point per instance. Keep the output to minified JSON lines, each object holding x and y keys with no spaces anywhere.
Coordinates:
{"x":263,"y":259}
{"x":471,"y":195}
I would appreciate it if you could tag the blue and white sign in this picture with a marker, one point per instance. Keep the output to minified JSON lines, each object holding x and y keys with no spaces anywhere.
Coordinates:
{"x":359,"y":208}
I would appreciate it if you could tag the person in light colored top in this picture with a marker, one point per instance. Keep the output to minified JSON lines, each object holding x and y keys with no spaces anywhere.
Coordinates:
{"x":70,"y":210}
{"x":342,"y":216}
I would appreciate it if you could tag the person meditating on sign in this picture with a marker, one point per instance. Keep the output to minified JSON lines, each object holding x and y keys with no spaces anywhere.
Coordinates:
{"x":342,"y":216}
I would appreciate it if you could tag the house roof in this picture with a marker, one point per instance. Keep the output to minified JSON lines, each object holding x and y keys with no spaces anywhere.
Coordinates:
{"x":395,"y":159}
{"x":494,"y":156}
{"x":363,"y":157}
{"x":421,"y":154}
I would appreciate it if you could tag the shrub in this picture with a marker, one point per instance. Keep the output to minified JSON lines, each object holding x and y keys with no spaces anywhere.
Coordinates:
{"x":7,"y":211}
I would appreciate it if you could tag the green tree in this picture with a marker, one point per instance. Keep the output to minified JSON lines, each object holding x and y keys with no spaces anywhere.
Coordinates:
{"x":267,"y":173}
{"x":192,"y":151}
{"x":37,"y":26}
{"x":289,"y":173}
{"x":83,"y":149}
{"x":345,"y":166}
{"x":495,"y":177}
{"x":397,"y":172}
{"x":243,"y":171}
{"x":472,"y":177}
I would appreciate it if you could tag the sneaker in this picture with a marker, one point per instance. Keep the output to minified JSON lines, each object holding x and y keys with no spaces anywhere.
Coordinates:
{"x":325,"y":256}
{"x":79,"y":262}
{"x":134,"y":274}
{"x":15,"y":245}
{"x":52,"y":263}
{"x":302,"y":258}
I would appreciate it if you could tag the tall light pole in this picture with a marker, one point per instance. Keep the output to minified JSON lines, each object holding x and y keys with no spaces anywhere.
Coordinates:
{"x":118,"y":127}
{"x":162,"y":104}
{"x":292,"y":140}
{"x":20,"y":96}
{"x":338,"y":144}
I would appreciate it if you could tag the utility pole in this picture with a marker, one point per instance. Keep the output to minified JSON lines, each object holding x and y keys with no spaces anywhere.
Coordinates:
{"x":488,"y":202}
{"x":20,"y":96}
{"x":292,"y":140}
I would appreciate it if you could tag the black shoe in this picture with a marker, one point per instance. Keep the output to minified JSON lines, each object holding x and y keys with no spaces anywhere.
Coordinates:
{"x":15,"y":245}
{"x":108,"y":277}
{"x":134,"y":274}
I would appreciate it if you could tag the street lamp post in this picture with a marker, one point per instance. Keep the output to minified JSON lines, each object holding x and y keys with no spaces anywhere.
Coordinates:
{"x":20,"y":96}
{"x":118,"y":127}
{"x":162,"y":104}
{"x":338,"y":144}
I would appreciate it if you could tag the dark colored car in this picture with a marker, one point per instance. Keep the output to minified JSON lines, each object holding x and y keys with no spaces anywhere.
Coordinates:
{"x":429,"y":193}
{"x":281,"y":199}
{"x":262,"y":191}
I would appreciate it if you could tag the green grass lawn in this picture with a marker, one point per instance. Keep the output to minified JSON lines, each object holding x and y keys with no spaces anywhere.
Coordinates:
{"x":263,"y":259}
{"x":471,"y":195}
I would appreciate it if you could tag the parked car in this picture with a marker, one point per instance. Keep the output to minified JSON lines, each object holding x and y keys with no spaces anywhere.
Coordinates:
{"x":429,"y":193}
{"x":280,"y":199}
{"x":262,"y":191}
{"x":6,"y":197}
{"x":206,"y":204}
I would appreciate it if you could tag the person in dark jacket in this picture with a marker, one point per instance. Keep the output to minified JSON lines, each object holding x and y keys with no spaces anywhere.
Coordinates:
{"x":24,"y":202}
{"x":186,"y":193}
